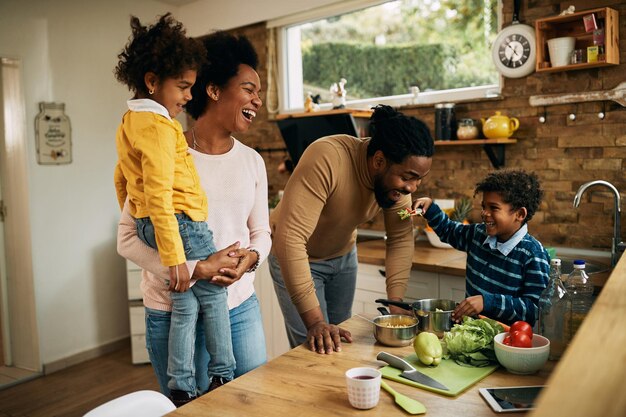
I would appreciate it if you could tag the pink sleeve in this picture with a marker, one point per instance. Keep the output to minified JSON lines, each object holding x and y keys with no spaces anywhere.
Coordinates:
{"x":132,"y":248}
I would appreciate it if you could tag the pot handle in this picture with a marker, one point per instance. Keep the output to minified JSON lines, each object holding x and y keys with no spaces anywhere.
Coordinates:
{"x":383,"y":311}
{"x":400,"y":304}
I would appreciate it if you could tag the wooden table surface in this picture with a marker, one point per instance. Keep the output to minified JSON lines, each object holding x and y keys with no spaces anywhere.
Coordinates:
{"x":304,"y":383}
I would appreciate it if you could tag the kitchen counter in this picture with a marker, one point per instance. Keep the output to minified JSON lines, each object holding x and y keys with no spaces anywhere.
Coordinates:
{"x":425,"y":257}
{"x":304,"y":383}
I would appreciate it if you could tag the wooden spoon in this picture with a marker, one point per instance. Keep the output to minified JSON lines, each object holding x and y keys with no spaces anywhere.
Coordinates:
{"x":409,"y":405}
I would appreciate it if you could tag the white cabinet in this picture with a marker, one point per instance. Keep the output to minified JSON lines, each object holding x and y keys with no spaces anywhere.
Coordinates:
{"x":452,"y":287}
{"x":276,"y":342}
{"x":136,"y":314}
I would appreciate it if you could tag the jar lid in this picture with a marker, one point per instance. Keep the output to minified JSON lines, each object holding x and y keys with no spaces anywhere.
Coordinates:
{"x":449,"y":105}
{"x":467,"y":122}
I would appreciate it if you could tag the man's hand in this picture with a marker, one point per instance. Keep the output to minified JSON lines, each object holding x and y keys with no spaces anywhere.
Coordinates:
{"x":471,"y":306}
{"x":321,"y":336}
{"x":179,"y":278}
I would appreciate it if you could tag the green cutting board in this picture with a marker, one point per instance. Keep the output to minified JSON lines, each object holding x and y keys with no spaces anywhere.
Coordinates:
{"x":454,"y":376}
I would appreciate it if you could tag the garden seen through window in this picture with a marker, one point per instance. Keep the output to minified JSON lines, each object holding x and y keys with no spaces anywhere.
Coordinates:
{"x":441,"y":46}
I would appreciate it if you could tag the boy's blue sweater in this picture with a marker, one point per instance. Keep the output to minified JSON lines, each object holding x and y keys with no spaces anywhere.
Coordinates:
{"x":510,"y":284}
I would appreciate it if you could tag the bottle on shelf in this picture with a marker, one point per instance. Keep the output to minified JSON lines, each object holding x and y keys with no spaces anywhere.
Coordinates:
{"x":580,"y":289}
{"x":555,"y":309}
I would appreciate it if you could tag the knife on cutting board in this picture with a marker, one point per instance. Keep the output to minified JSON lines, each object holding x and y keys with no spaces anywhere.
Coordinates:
{"x":409,"y":372}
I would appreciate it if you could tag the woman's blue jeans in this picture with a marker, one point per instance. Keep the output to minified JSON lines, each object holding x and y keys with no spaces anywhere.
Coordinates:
{"x":335,"y":282}
{"x":248,"y":340}
{"x":202,"y":296}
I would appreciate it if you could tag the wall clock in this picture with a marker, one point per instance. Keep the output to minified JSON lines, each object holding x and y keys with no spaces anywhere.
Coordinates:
{"x":514,"y":50}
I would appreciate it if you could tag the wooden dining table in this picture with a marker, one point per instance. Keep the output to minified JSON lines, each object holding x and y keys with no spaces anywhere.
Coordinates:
{"x":305,"y":383}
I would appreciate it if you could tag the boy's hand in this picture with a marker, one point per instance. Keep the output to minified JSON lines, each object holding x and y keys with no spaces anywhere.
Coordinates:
{"x":423,"y":203}
{"x":471,"y":306}
{"x":179,"y":278}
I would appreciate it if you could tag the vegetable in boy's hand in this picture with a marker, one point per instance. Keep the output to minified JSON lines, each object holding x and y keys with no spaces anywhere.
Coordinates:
{"x":408,"y":212}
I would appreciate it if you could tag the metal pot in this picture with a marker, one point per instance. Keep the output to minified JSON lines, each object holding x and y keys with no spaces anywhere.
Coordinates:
{"x":395,"y":329}
{"x":434,"y":314}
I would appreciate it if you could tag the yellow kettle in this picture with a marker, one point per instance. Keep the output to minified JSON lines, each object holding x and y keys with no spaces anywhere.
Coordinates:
{"x":498,"y":126}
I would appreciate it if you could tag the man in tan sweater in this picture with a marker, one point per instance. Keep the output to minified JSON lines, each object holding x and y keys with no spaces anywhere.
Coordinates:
{"x":339,"y":183}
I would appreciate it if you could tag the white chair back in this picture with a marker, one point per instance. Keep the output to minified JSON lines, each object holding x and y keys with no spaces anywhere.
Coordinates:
{"x":137,"y":404}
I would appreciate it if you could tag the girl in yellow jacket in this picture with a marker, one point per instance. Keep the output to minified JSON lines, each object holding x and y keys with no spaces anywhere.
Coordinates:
{"x":158,"y":177}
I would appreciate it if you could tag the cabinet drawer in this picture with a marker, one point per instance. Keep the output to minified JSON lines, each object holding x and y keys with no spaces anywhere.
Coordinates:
{"x":137,"y":320}
{"x":138,"y":349}
{"x":452,"y":287}
{"x":133,"y":279}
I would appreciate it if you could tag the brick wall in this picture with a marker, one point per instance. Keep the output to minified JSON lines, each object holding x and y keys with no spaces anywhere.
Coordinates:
{"x":564,"y":153}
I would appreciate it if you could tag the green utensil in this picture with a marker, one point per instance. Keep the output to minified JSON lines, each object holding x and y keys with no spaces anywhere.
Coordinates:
{"x":409,"y":405}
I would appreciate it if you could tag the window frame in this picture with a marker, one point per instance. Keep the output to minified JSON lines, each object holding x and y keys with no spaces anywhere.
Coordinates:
{"x":288,"y":93}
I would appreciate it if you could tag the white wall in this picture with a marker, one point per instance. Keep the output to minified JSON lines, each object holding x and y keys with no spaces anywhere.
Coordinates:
{"x":68,"y":49}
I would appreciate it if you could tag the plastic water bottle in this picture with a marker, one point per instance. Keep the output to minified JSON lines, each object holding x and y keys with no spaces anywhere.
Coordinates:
{"x":580,"y":289}
{"x":555,"y":309}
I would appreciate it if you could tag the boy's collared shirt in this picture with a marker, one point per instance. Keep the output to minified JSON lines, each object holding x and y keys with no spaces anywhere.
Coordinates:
{"x":506,"y":247}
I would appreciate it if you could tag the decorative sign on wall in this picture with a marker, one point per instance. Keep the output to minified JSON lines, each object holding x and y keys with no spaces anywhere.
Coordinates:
{"x":53,"y":135}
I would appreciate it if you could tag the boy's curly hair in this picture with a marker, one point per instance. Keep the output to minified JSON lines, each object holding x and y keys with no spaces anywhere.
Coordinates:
{"x":398,"y":136}
{"x":224,"y":52}
{"x":162,"y":49}
{"x":516,"y":187}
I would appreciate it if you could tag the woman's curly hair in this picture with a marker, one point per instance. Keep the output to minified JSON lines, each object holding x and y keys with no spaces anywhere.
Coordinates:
{"x":224,"y":52}
{"x":516,"y":187}
{"x":163,"y":49}
{"x":398,"y":136}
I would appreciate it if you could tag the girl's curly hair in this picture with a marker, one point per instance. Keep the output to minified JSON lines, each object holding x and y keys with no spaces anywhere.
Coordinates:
{"x":162,"y":49}
{"x":225,"y":52}
{"x":516,"y":187}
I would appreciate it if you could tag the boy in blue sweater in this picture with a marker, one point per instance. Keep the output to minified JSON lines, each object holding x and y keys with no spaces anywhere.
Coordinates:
{"x":507,"y":268}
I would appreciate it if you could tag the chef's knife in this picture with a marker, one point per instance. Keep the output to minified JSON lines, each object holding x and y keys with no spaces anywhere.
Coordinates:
{"x":409,"y":372}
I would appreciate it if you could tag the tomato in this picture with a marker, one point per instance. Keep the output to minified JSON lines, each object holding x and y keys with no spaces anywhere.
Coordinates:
{"x":521,"y":339}
{"x":522,"y":326}
{"x":507,"y":340}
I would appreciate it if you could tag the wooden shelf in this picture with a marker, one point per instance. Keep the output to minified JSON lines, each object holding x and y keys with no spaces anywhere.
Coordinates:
{"x":572,"y":25}
{"x":354,"y":112}
{"x":494,"y":148}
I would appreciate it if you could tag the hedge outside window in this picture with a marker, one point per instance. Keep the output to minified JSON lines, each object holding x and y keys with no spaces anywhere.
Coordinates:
{"x":441,"y":46}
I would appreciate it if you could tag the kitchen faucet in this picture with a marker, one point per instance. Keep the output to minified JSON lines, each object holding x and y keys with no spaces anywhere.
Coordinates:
{"x":617,"y":246}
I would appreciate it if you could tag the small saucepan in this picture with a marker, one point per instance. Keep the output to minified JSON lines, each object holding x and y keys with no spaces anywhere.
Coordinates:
{"x":434,"y":314}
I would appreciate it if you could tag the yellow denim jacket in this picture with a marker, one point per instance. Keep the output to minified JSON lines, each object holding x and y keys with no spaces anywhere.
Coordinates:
{"x":158,"y":175}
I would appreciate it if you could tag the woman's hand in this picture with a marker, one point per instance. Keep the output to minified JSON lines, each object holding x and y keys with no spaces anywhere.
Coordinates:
{"x":227,"y":276}
{"x":423,"y":203}
{"x":212,"y":266}
{"x":179,"y":278}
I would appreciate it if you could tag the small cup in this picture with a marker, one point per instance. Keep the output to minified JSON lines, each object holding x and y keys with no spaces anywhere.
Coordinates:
{"x":363,"y":387}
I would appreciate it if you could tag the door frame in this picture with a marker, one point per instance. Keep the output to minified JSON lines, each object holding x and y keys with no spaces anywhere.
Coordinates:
{"x":22,"y":346}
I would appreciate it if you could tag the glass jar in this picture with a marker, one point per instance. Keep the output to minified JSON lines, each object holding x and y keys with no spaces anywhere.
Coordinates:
{"x":467,"y":129}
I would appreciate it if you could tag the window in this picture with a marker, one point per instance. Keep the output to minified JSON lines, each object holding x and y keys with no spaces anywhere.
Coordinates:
{"x":383,"y":49}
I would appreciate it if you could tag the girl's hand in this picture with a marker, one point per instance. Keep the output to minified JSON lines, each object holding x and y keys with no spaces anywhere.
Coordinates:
{"x":422,"y":203}
{"x":179,"y":278}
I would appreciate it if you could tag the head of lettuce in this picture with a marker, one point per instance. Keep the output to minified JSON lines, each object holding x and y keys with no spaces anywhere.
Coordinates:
{"x":471,"y":343}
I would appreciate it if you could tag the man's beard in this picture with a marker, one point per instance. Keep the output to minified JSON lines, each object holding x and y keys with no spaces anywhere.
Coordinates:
{"x":382,"y":194}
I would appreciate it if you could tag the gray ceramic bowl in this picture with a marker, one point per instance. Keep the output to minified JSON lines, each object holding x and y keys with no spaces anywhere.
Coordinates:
{"x":395,"y":329}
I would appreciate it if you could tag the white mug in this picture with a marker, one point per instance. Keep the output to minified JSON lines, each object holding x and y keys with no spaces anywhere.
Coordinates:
{"x":363,"y":387}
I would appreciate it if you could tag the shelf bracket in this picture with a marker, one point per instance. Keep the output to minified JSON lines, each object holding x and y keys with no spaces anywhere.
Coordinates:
{"x":496,"y":155}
